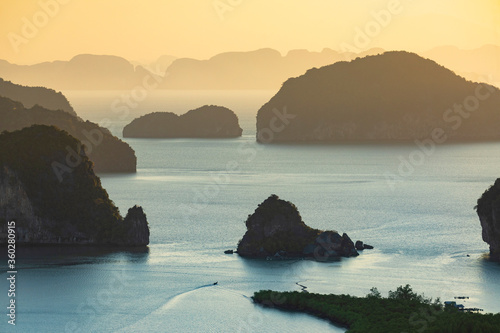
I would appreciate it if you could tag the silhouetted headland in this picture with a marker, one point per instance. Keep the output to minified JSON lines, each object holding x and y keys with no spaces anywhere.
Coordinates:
{"x":31,"y":96}
{"x":49,"y":209}
{"x":109,"y":153}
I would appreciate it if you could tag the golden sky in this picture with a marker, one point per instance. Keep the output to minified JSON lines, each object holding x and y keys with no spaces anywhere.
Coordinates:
{"x":45,"y":30}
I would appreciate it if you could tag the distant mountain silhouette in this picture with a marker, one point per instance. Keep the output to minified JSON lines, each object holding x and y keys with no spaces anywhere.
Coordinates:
{"x":396,"y":96}
{"x":30,"y":96}
{"x":162,"y":63}
{"x":481,"y":64}
{"x":83,"y":72}
{"x":109,"y":153}
{"x":208,"y":121}
{"x":260,"y":69}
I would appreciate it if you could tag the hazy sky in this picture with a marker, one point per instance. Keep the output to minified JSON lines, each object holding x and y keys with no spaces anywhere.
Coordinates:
{"x":146,"y":29}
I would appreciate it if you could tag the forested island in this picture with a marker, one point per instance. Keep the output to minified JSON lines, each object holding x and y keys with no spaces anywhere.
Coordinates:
{"x":393,"y":97}
{"x":276,"y":230}
{"x":55,"y":198}
{"x":209,"y":121}
{"x":402,"y":311}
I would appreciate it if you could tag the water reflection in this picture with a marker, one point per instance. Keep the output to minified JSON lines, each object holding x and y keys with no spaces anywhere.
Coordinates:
{"x":77,"y":255}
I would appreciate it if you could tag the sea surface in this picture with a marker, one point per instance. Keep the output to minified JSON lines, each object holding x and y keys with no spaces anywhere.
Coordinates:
{"x":416,"y":208}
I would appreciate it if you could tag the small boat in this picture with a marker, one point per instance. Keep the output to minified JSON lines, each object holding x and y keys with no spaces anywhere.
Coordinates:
{"x":215,"y":283}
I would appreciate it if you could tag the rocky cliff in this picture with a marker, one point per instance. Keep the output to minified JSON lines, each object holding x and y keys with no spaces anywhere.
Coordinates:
{"x":395,"y":96}
{"x":208,"y":121}
{"x":488,"y":210}
{"x":108,"y":153}
{"x":276,"y":230}
{"x":53,"y":202}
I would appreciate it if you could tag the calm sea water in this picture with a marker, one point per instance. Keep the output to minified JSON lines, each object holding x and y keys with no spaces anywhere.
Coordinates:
{"x":423,"y":228}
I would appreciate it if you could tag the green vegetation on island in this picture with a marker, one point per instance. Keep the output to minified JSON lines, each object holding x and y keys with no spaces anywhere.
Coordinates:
{"x":402,"y":311}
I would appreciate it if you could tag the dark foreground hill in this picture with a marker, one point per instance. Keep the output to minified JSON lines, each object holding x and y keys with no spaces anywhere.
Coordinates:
{"x":51,"y":202}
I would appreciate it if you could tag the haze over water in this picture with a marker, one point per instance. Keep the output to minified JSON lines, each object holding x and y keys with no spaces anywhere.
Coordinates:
{"x":422,"y":230}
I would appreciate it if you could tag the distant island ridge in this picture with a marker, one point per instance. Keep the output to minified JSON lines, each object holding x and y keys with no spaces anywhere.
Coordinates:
{"x":82,"y":72}
{"x":392,"y":97}
{"x":257,"y":69}
{"x":47,"y":209}
{"x":209,"y":121}
{"x":31,"y":96}
{"x":109,"y":153}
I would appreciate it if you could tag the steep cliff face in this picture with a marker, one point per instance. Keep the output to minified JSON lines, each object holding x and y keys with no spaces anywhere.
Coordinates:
{"x":395,"y":96}
{"x":208,"y":121}
{"x":137,"y":228}
{"x":108,"y":153}
{"x":276,"y":229}
{"x":54,"y":207}
{"x":488,"y":210}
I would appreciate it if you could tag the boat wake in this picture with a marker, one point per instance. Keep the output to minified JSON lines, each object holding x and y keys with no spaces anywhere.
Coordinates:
{"x":175,"y":301}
